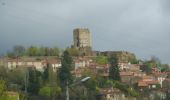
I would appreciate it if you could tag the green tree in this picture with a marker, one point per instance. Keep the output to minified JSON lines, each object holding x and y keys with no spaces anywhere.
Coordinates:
{"x":2,"y":89}
{"x":46,"y":74}
{"x":19,"y":50}
{"x":51,"y":87}
{"x":45,"y":91}
{"x":49,"y":92}
{"x":102,"y":60}
{"x":32,"y":51}
{"x":73,"y":51}
{"x":55,"y":51}
{"x":34,"y":82}
{"x":114,"y":69}
{"x":16,"y":83}
{"x":3,"y":72}
{"x":65,"y":71}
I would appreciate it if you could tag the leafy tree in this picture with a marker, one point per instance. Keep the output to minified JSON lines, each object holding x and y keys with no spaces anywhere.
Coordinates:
{"x":45,"y":91}
{"x":16,"y":83}
{"x":32,"y":51}
{"x":19,"y":50}
{"x":49,"y":92}
{"x":102,"y":60}
{"x":114,"y":69}
{"x":55,"y":51}
{"x":132,"y":92}
{"x":2,"y":90}
{"x":3,"y":72}
{"x":46,"y":74}
{"x":51,"y":87}
{"x":73,"y":51}
{"x":34,"y":82}
{"x":41,"y":51}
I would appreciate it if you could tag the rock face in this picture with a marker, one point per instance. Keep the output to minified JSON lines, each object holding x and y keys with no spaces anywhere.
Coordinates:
{"x":122,"y":56}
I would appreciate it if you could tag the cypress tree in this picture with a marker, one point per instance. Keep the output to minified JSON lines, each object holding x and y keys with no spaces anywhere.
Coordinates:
{"x":65,"y":71}
{"x":114,"y":69}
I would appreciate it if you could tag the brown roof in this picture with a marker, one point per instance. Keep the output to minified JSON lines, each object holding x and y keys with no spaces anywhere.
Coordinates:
{"x":109,"y":90}
{"x":126,"y":73}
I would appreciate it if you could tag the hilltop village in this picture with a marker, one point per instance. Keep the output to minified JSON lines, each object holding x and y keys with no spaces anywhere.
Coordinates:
{"x":139,"y":80}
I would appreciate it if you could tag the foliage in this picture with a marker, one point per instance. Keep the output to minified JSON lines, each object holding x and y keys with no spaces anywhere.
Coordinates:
{"x":114,"y":69}
{"x":3,"y":72}
{"x":65,"y":71}
{"x":34,"y":82}
{"x":73,"y":51}
{"x":33,"y":51}
{"x":45,"y":91}
{"x":121,"y":86}
{"x":102,"y":60}
{"x":19,"y":73}
{"x":133,"y":92}
{"x":48,"y":91}
{"x":3,"y":88}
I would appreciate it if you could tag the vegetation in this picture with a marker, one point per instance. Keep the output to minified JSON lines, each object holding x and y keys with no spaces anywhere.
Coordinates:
{"x":114,"y":69}
{"x":19,"y":51}
{"x":51,"y":85}
{"x":65,"y":75}
{"x":102,"y":60}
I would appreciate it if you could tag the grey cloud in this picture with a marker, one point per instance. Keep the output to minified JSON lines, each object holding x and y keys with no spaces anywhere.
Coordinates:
{"x":139,"y":26}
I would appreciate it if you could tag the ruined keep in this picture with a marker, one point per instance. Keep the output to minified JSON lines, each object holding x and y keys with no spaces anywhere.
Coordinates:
{"x":82,"y":38}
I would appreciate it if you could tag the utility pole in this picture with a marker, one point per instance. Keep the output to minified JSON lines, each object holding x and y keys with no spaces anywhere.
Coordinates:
{"x":67,"y":86}
{"x":67,"y":92}
{"x":26,"y":81}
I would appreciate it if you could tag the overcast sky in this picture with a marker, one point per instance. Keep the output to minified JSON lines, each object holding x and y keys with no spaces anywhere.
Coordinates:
{"x":138,"y":26}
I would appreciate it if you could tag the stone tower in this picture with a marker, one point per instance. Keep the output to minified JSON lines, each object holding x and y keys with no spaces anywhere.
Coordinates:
{"x":82,"y":38}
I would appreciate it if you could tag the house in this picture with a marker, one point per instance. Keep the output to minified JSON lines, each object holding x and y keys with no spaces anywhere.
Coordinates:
{"x":148,"y":82}
{"x":81,"y":62}
{"x":111,"y":94}
{"x":155,"y":70}
{"x":38,"y":64}
{"x":129,"y":67}
{"x":14,"y":63}
{"x":130,"y":77}
{"x":160,"y":77}
{"x":54,"y":63}
{"x":166,"y":83}
{"x":78,"y":72}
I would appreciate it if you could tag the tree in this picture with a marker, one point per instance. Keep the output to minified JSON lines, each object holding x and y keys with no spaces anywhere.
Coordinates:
{"x":65,"y":71}
{"x":73,"y":51}
{"x":51,"y":87}
{"x":102,"y":60}
{"x":32,"y":51}
{"x":114,"y":69}
{"x":46,"y":74}
{"x":16,"y":83}
{"x":3,"y":72}
{"x":55,"y":51}
{"x":34,"y":82}
{"x":19,"y":50}
{"x":2,"y":89}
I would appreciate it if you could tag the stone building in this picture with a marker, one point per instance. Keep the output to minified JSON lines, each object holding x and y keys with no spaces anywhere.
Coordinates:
{"x":82,"y":38}
{"x":82,"y":41}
